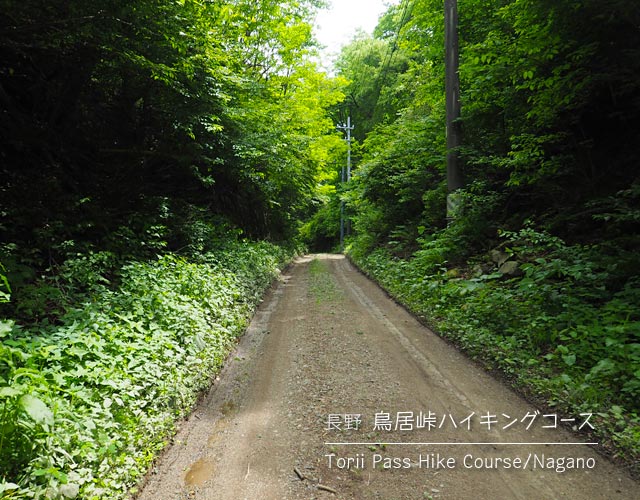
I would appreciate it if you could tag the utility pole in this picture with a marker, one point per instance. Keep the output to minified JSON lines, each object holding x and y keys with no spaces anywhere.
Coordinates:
{"x":341,"y":213}
{"x":455,"y":179}
{"x":348,"y":128}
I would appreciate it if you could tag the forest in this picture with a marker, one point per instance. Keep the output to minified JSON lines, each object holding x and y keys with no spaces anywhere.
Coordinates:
{"x":536,"y":276}
{"x":161,"y":160}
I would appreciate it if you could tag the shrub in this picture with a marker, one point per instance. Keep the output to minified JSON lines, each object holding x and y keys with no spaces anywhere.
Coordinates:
{"x":86,"y":403}
{"x":565,"y":328}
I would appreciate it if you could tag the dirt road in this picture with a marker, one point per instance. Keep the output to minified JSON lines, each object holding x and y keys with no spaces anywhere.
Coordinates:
{"x":329,"y":361}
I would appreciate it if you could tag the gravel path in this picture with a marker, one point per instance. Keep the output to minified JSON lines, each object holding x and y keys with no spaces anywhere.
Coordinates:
{"x":328,"y":360}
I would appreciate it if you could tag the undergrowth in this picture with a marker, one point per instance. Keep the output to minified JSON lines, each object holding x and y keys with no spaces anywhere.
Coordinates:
{"x":88,"y":398}
{"x":567,"y":328}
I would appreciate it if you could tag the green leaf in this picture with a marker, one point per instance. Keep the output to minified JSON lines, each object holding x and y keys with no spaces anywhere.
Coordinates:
{"x":569,"y":359}
{"x":7,"y":487}
{"x":5,"y":328}
{"x":70,"y":490}
{"x":36,"y":409}
{"x":8,"y":392}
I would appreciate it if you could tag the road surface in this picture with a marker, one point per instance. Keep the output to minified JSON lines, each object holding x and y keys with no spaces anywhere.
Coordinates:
{"x":336,"y":392}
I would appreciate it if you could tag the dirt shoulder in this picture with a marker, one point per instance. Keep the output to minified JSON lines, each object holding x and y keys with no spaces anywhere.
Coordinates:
{"x":337,"y":392}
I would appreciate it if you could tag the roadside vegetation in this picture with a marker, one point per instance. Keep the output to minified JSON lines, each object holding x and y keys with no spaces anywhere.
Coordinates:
{"x":159,"y":161}
{"x":89,"y":397}
{"x":564,"y":332}
{"x":155,"y":159}
{"x":539,"y":274}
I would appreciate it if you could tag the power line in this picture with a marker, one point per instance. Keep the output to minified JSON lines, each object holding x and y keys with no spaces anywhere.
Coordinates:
{"x":391,"y":48}
{"x":387,"y":59}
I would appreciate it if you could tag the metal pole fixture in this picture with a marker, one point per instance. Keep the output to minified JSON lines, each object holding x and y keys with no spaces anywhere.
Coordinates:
{"x":348,"y":128}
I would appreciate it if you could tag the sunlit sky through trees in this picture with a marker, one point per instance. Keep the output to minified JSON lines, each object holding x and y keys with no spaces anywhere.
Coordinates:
{"x":337,"y":25}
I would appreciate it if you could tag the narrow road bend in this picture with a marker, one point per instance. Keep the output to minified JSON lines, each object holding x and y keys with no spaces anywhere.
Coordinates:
{"x":329,"y":359}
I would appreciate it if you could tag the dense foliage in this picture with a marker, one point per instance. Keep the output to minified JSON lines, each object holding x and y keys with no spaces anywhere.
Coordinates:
{"x":87,"y":402}
{"x":550,"y":95}
{"x":112,"y":111}
{"x":138,"y":141}
{"x":556,"y":331}
{"x":550,"y":105}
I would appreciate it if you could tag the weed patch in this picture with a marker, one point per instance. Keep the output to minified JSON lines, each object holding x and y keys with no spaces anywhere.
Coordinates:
{"x":86,"y":403}
{"x":322,"y":284}
{"x":566,"y":328}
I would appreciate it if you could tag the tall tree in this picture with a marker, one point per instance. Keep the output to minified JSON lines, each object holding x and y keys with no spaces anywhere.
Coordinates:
{"x":115,"y":112}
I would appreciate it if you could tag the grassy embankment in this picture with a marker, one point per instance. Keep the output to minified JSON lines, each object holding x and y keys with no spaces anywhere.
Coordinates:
{"x":565,"y":329}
